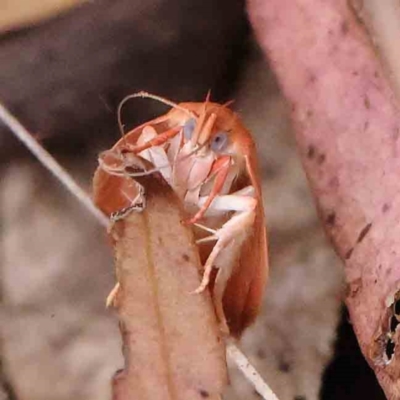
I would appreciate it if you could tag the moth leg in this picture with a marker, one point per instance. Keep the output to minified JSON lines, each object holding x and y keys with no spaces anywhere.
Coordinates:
{"x":207,"y":238}
{"x":132,"y":165}
{"x":221,"y":169}
{"x":227,"y":260}
{"x":237,"y":228}
{"x":159,"y":140}
{"x":112,"y":295}
{"x":205,"y":228}
{"x":157,"y":155}
{"x":148,"y":146}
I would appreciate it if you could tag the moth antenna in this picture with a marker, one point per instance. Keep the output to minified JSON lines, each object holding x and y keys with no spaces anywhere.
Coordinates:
{"x":201,"y":119}
{"x":145,"y":95}
{"x":145,"y":173}
{"x":228,"y":103}
{"x":119,"y":172}
{"x":207,"y":101}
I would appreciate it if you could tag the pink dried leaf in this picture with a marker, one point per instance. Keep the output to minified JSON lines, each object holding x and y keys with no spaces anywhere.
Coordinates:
{"x":347,"y":124}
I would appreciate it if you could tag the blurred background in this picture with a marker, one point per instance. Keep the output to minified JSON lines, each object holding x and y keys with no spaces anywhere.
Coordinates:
{"x":64,"y":67}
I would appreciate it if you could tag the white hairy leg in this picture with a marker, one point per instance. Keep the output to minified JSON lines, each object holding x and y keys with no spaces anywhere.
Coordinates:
{"x":111,"y":297}
{"x":237,"y":227}
{"x":225,"y":263}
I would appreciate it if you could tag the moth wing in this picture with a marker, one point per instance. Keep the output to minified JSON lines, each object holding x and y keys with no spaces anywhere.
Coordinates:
{"x":244,"y":291}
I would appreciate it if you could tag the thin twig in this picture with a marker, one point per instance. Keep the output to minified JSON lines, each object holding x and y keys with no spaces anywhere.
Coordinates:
{"x":233,"y":352}
{"x":51,"y":164}
{"x":252,"y":375}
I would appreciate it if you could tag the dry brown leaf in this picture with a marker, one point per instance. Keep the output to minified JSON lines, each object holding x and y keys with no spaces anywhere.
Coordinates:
{"x":172,"y":345}
{"x":347,"y":123}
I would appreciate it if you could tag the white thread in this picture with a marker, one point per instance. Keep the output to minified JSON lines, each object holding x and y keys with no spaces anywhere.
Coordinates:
{"x":243,"y":364}
{"x":51,"y":164}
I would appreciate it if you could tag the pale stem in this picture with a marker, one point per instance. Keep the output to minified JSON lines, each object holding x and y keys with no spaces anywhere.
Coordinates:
{"x":51,"y":164}
{"x":252,"y":375}
{"x":233,"y":352}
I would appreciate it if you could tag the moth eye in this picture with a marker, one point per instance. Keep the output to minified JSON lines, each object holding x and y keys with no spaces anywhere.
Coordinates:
{"x":219,"y":142}
{"x":188,"y":128}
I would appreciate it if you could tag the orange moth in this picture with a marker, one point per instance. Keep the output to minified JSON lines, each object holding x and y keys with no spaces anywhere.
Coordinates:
{"x":209,"y":158}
